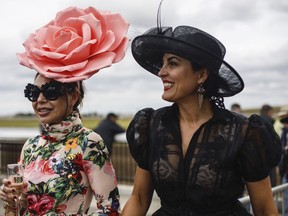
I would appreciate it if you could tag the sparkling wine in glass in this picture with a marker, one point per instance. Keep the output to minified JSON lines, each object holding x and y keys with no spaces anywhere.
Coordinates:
{"x":15,"y":175}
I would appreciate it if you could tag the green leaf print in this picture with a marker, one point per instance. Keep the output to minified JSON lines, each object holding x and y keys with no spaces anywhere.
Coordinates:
{"x":65,"y":188}
{"x":41,"y":188}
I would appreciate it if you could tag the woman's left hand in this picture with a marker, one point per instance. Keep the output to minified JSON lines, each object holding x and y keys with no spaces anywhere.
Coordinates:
{"x":8,"y":194}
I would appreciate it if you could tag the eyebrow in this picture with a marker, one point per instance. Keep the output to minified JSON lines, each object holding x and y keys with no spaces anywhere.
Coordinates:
{"x":173,"y":57}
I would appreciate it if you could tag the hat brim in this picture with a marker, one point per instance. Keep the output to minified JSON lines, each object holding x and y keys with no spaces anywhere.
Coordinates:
{"x":282,"y":115}
{"x":148,"y":52}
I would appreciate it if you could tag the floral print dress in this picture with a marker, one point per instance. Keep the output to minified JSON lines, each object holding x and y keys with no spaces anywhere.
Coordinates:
{"x":64,"y":167}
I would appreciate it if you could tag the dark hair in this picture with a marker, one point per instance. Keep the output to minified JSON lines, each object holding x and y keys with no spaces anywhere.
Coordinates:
{"x":80,"y":87}
{"x":265,"y":109}
{"x":112,"y":115}
{"x":211,"y":85}
{"x":235,"y":106}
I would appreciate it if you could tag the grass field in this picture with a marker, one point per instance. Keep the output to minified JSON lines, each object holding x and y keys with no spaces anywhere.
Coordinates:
{"x":89,"y":122}
{"x":34,"y":122}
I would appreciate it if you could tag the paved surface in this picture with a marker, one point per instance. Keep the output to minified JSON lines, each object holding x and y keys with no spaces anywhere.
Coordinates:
{"x":125,"y":191}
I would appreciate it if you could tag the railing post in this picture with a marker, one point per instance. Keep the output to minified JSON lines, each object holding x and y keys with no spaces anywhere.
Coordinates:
{"x":10,"y":152}
{"x":123,"y":163}
{"x":277,"y":190}
{"x":285,"y":200}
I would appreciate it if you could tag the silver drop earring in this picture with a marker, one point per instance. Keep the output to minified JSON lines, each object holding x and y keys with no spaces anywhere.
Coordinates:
{"x":201,"y":91}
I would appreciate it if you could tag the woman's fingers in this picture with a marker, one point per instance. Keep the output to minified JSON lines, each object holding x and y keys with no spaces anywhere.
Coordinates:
{"x":6,"y":182}
{"x":8,"y":193}
{"x":9,"y":190}
{"x":9,"y":198}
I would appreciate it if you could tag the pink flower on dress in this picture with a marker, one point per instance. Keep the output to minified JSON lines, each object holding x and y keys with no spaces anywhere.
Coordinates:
{"x":109,"y":169}
{"x":40,"y":205}
{"x":39,"y":170}
{"x":45,"y":167}
{"x":76,"y":44}
{"x":32,"y":199}
{"x":60,"y":208}
{"x":63,"y":123}
{"x":30,"y":167}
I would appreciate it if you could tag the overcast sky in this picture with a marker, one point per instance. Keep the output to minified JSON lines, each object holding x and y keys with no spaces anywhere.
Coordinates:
{"x":255,"y":34}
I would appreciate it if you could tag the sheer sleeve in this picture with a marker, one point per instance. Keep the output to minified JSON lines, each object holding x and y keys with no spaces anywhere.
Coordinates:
{"x":261,"y":149}
{"x":138,"y":136}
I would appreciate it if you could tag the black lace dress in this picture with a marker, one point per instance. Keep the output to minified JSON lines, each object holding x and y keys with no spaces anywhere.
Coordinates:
{"x":226,"y":151}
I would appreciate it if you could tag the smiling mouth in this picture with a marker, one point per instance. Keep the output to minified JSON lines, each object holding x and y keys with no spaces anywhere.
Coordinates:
{"x":43,"y":111}
{"x":168,"y":85}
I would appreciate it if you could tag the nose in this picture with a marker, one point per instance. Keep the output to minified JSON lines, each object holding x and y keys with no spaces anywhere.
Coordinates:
{"x":162,"y":72}
{"x":41,"y":98}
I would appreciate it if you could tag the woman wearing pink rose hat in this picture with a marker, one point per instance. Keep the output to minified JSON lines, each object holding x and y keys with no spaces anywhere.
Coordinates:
{"x":67,"y":163}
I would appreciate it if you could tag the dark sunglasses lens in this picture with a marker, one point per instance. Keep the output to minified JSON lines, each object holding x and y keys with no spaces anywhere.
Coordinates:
{"x":51,"y":93}
{"x":32,"y":92}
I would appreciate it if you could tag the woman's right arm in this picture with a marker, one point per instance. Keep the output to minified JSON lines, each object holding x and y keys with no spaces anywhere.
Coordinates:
{"x":140,"y":199}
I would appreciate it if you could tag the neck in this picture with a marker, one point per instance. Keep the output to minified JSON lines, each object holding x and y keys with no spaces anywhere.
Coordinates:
{"x":193,"y":114}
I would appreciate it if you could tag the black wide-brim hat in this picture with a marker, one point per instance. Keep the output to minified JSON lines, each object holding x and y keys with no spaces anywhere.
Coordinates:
{"x":192,"y":44}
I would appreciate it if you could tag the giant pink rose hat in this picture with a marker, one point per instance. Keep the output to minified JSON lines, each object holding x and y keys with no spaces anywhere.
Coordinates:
{"x":76,"y":44}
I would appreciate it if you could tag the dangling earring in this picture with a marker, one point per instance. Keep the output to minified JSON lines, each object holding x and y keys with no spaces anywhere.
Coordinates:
{"x":201,"y":91}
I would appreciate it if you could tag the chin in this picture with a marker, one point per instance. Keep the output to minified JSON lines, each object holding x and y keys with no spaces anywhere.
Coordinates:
{"x":44,"y":120}
{"x":167,"y":99}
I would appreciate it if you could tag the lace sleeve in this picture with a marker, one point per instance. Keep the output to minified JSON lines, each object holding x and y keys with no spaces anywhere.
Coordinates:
{"x":138,"y":136}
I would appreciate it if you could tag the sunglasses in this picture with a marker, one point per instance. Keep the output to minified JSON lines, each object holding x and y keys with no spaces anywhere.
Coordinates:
{"x":51,"y":91}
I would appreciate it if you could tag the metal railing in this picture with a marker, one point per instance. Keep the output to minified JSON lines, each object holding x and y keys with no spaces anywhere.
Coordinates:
{"x":124,"y":166}
{"x":279,"y":198}
{"x":123,"y":162}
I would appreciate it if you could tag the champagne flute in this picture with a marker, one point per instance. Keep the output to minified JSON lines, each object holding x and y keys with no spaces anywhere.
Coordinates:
{"x":15,"y":175}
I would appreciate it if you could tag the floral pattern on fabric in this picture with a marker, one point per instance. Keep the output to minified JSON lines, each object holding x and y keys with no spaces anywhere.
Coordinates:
{"x":64,"y":167}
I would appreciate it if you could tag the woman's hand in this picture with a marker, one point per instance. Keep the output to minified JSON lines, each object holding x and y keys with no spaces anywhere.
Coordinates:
{"x":10,"y":192}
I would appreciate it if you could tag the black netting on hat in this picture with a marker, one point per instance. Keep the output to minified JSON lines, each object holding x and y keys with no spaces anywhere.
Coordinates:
{"x":190,"y":43}
{"x":229,"y":82}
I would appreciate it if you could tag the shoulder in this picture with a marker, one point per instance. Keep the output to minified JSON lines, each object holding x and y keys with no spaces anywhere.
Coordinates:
{"x":144,"y":115}
{"x":229,"y":117}
{"x":32,"y":140}
{"x":261,"y":149}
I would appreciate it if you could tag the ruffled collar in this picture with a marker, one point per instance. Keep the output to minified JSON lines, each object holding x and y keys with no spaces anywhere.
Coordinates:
{"x":56,"y":132}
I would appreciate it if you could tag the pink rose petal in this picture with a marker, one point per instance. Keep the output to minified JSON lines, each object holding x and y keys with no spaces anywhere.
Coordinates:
{"x":76,"y":44}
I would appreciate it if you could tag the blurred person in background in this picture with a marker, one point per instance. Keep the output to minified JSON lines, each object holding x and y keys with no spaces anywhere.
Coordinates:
{"x":283,"y":166}
{"x":67,"y":164}
{"x":277,"y":124}
{"x":108,"y":128}
{"x":235,"y":107}
{"x":267,"y":112}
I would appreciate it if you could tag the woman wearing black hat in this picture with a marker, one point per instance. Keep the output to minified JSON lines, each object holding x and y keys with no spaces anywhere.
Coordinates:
{"x":195,"y":154}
